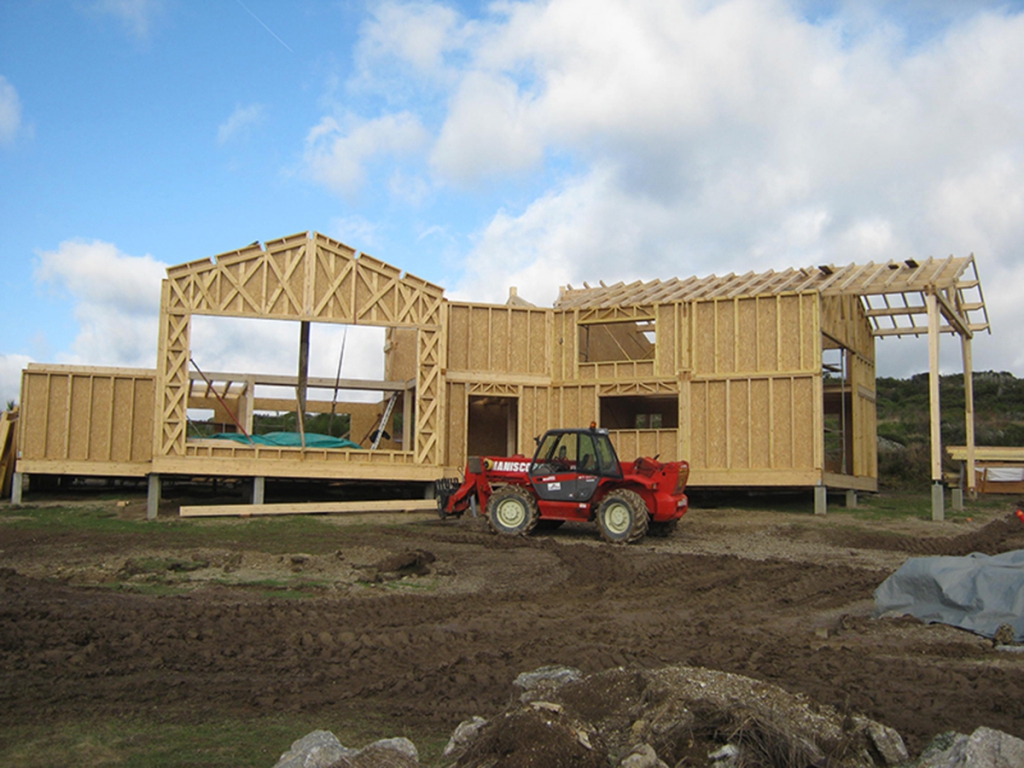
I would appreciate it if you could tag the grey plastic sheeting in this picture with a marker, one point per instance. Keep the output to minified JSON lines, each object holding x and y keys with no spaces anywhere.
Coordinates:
{"x":977,"y":592}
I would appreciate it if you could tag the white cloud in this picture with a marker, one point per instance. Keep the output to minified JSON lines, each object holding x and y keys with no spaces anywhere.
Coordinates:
{"x":336,"y":157}
{"x":137,"y":16}
{"x":10,"y":111}
{"x":11,"y":367}
{"x":240,"y":121}
{"x":117,"y":301}
{"x":687,"y":138}
{"x":408,"y":40}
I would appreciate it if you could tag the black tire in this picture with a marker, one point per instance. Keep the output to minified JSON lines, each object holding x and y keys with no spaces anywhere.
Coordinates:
{"x":512,"y":511}
{"x":622,"y":517}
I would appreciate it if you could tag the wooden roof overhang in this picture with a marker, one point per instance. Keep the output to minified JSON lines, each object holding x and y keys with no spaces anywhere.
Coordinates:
{"x":893,"y":293}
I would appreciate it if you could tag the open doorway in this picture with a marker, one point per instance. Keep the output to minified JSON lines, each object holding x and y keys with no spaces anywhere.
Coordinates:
{"x":837,"y":408}
{"x":493,"y":426}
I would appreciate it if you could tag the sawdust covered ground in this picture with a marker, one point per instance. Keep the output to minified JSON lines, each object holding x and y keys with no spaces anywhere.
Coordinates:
{"x":430,"y":622}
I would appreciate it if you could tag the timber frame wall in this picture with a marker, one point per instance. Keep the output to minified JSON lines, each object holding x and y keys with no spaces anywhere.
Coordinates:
{"x":736,"y":366}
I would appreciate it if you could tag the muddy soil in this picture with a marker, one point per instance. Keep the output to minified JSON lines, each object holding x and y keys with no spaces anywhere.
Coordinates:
{"x":430,"y":622}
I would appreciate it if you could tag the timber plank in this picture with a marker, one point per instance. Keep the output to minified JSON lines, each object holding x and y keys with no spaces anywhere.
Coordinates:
{"x":315,"y":508}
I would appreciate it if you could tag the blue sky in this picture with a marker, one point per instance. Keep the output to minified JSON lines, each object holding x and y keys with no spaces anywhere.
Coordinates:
{"x":487,"y":145}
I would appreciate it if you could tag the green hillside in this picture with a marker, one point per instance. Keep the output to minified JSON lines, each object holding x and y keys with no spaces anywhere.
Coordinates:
{"x":903,"y":419}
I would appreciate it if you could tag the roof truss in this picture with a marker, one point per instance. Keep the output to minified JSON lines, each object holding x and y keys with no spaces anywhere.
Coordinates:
{"x":893,"y":293}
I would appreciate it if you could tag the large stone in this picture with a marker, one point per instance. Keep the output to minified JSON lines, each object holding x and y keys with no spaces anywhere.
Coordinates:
{"x":642,"y":756}
{"x":463,"y":734}
{"x":886,"y":741}
{"x":985,"y":748}
{"x":386,"y":753}
{"x":552,"y":676}
{"x":319,"y":749}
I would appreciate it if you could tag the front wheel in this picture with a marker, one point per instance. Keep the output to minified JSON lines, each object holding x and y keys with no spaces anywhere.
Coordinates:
{"x":512,"y":511}
{"x":622,"y":517}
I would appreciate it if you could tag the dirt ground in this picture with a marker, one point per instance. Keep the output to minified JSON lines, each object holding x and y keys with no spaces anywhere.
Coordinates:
{"x":429,"y":621}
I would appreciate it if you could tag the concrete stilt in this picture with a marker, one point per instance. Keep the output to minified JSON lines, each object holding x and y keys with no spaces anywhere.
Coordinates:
{"x":153,"y":497}
{"x":820,"y":500}
{"x":938,"y":502}
{"x":851,"y":498}
{"x":958,"y":499}
{"x":259,"y":488}
{"x":17,"y":486}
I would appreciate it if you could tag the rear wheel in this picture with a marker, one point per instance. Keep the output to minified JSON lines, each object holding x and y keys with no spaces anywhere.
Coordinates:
{"x":512,"y":511}
{"x":622,"y":517}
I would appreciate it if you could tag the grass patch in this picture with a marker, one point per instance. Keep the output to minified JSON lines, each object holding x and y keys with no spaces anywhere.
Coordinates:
{"x":214,"y":742}
{"x":275,"y":536}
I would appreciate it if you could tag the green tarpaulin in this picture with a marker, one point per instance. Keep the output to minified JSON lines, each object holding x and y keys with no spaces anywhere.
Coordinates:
{"x":291,"y":440}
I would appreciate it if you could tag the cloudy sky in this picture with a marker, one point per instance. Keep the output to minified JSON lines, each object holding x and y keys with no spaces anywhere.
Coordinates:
{"x":481,"y":146}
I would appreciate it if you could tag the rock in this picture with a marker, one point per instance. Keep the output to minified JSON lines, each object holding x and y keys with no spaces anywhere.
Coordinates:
{"x":319,"y":749}
{"x":463,"y":734}
{"x":552,"y":676}
{"x":886,"y":741}
{"x":385,"y":753}
{"x":726,"y":757}
{"x":1005,"y":635}
{"x":642,"y":756}
{"x":985,"y":748}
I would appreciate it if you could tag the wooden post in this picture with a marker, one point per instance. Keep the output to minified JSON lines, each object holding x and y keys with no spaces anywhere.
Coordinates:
{"x":303,"y":379}
{"x":932,"y":304}
{"x":965,"y":347}
{"x":153,"y":496}
{"x":250,"y":403}
{"x":407,"y":397}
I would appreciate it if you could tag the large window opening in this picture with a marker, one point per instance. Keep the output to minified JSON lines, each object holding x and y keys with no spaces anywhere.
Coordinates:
{"x":493,"y":426}
{"x":640,"y":412}
{"x":245,"y":381}
{"x":616,"y":342}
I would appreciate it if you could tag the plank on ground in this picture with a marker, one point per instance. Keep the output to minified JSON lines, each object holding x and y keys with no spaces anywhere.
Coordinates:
{"x":315,"y":508}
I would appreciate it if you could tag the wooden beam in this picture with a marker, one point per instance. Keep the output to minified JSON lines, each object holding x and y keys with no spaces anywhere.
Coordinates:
{"x":316,"y":508}
{"x":935,"y":417}
{"x":965,"y":347}
{"x":960,"y":324}
{"x":313,"y":382}
{"x":303,"y":382}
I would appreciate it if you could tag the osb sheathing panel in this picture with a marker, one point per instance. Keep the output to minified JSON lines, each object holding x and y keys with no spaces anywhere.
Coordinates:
{"x":843,"y":318}
{"x":755,"y":335}
{"x":763,"y":423}
{"x":88,"y":416}
{"x":630,"y":444}
{"x":666,"y":334}
{"x":458,"y":409}
{"x":400,"y":354}
{"x":575,"y":406}
{"x":498,"y":339}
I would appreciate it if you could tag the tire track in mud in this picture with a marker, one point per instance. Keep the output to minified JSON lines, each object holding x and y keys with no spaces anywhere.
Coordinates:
{"x":439,"y":657}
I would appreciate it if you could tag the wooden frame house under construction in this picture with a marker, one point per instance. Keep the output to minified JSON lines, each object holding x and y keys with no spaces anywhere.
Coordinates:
{"x":758,"y":380}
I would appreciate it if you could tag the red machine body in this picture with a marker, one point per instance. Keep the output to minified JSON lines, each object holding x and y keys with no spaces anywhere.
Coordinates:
{"x":575,"y":475}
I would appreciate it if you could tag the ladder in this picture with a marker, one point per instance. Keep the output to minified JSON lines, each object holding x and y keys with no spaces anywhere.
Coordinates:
{"x":384,"y":420}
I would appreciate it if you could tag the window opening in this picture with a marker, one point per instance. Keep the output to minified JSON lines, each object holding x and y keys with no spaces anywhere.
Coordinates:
{"x":640,"y":412}
{"x":617,"y":342}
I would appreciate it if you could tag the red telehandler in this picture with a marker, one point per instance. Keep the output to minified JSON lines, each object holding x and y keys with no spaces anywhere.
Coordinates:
{"x":575,"y":475}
